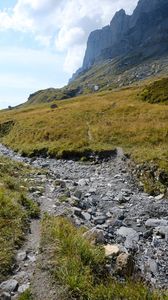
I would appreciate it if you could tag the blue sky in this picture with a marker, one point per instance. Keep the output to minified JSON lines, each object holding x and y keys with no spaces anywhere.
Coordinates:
{"x":42,"y":42}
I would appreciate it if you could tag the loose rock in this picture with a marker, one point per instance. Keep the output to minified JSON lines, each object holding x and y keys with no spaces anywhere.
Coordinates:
{"x":111,"y":250}
{"x":9,"y":285}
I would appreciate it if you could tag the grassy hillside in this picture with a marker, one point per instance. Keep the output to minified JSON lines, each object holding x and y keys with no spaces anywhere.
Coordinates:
{"x":97,"y":122}
{"x":156,"y":92}
{"x":51,"y":95}
{"x":15,"y":211}
{"x":106,"y":75}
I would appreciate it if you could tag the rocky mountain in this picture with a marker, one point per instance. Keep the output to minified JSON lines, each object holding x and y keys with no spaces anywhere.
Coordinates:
{"x":131,"y":48}
{"x":142,"y":36}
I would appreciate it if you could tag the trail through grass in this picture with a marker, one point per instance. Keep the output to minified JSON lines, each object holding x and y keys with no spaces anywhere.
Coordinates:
{"x":15,"y":212}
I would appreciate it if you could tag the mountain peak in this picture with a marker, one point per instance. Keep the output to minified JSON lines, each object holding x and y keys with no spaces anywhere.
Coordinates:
{"x":118,"y":17}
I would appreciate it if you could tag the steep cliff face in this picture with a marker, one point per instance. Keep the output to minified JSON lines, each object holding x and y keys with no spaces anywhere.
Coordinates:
{"x":100,"y":41}
{"x":144,"y":34}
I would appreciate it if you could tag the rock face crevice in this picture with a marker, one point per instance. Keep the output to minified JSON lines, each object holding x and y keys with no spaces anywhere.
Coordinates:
{"x":144,"y":34}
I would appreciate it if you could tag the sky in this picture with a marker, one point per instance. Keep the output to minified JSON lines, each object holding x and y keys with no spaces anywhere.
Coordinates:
{"x":42,"y":42}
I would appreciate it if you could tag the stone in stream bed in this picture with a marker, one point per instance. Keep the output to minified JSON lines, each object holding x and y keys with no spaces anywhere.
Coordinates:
{"x":162,"y":231}
{"x":5,"y":296}
{"x":10,"y":285}
{"x":83,"y":182}
{"x":122,"y":198}
{"x":156,"y":223}
{"x":86,"y":216}
{"x":23,"y":288}
{"x":78,"y":194}
{"x":100,"y":220}
{"x":77,"y":212}
{"x":131,"y":236}
{"x":94,"y":235}
{"x":21,"y":256}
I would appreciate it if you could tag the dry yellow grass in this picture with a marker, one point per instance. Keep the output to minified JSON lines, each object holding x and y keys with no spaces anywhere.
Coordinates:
{"x":98,"y":122}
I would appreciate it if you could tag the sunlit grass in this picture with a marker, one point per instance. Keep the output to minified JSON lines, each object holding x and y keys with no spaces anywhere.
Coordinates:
{"x":97,"y":122}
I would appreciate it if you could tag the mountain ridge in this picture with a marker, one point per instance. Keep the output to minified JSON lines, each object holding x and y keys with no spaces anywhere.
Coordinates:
{"x":143,"y":33}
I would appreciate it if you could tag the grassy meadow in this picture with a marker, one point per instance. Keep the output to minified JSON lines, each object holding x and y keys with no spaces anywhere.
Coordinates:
{"x":101,"y":121}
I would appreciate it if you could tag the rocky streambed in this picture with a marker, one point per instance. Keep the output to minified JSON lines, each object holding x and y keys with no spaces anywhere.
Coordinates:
{"x":103,"y":196}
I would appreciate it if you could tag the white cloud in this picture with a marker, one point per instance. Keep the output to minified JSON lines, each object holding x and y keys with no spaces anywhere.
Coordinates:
{"x":69,"y":38}
{"x":73,"y":58}
{"x":65,"y":23}
{"x":24,"y":71}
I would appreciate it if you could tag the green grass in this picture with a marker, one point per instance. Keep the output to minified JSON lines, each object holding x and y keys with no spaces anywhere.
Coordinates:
{"x":26,"y":295}
{"x":50,"y":95}
{"x":156,"y":92}
{"x":15,"y":212}
{"x":92,"y":123}
{"x":79,"y":266}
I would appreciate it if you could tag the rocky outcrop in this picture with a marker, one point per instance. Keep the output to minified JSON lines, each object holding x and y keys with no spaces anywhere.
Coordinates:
{"x":143,"y":35}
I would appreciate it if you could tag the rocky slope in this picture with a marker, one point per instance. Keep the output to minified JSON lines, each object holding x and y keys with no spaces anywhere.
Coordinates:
{"x":103,"y":196}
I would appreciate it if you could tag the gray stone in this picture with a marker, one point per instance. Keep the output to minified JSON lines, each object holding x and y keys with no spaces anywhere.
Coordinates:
{"x":126,"y":232}
{"x":23,"y":288}
{"x":122,"y":199}
{"x":77,"y":211}
{"x":126,"y":192}
{"x":95,"y":235}
{"x":22,"y":275}
{"x":82,"y":182}
{"x":32,"y":258}
{"x":78,"y":194}
{"x":92,"y":211}
{"x":86,"y":216}
{"x":148,"y":233}
{"x":10,"y":285}
{"x":92,"y":191}
{"x":132,"y":237}
{"x":156,"y":223}
{"x":5,"y":296}
{"x":162,"y":231}
{"x":21,"y":256}
{"x":152,"y":266}
{"x":77,"y":222}
{"x":117,"y":212}
{"x":99,"y":220}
